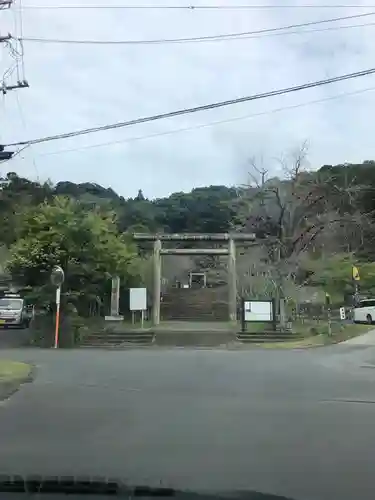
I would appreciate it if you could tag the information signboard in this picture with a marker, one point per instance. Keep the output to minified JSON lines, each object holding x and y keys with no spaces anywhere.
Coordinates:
{"x":138,"y":299}
{"x":258,"y":310}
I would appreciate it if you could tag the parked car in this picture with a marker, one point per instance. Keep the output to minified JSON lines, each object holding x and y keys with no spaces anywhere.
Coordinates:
{"x":14,"y":312}
{"x":364,"y":311}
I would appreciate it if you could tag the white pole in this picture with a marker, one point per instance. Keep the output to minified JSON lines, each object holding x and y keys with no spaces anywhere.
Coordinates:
{"x":142,"y":318}
{"x":58,"y":296}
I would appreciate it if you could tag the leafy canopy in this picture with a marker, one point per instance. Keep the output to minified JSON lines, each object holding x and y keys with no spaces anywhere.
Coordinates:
{"x":86,"y":244}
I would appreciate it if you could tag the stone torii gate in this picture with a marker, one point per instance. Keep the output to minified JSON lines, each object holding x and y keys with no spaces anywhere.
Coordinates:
{"x":230,"y":251}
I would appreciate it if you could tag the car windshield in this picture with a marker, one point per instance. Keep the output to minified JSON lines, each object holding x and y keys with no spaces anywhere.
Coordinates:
{"x":187,"y":249}
{"x":11,"y":304}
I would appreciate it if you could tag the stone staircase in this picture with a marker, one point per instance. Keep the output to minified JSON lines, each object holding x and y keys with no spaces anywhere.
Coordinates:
{"x":267,"y":336}
{"x":195,"y":304}
{"x":137,"y":338}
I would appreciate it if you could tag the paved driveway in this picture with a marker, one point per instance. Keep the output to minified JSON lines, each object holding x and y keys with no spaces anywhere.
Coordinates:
{"x":298,"y":423}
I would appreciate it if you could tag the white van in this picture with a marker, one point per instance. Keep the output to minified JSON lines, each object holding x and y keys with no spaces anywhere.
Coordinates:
{"x":364,"y":311}
{"x":14,"y":312}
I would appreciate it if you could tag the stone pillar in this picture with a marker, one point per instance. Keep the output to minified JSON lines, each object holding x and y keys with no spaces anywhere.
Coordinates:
{"x":115,"y":296}
{"x":156,"y":283}
{"x":115,"y":301}
{"x":232,"y":281}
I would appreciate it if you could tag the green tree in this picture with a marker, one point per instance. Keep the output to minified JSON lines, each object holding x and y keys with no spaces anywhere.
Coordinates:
{"x":334,"y":274}
{"x":16,"y":195}
{"x":137,"y":212}
{"x":206,"y":210}
{"x":86,"y":244}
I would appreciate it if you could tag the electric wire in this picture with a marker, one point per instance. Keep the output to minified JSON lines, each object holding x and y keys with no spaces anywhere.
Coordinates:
{"x":219,"y":37}
{"x":196,"y":109}
{"x":209,"y":124}
{"x":199,"y":7}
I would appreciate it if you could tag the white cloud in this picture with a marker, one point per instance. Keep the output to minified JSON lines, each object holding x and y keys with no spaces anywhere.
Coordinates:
{"x":72,"y":87}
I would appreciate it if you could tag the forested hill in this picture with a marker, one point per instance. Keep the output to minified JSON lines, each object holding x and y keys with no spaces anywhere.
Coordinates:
{"x":205,"y":209}
{"x":312,"y":227}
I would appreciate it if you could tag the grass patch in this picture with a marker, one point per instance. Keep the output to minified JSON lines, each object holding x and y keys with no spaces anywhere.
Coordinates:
{"x":348,"y":331}
{"x":340,"y":333}
{"x":12,"y":375}
{"x":257,"y":327}
{"x":13,"y":371}
{"x":315,"y":341}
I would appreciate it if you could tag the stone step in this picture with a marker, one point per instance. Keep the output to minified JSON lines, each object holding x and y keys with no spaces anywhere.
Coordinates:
{"x":193,"y":303}
{"x":195,"y":298}
{"x":206,"y":307}
{"x":220,"y":290}
{"x":194,"y":338}
{"x":190,"y":313}
{"x":114,"y":346}
{"x":271,"y":333}
{"x":194,"y":317}
{"x":121,"y":336}
{"x":203,"y":319}
{"x":196,"y":307}
{"x":259,"y":338}
{"x":118,"y":339}
{"x":201,"y":305}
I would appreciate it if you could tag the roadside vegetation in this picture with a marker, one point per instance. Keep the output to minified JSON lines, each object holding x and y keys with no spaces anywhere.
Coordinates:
{"x":12,"y":375}
{"x":312,"y":226}
{"x":339,"y":334}
{"x":13,"y":371}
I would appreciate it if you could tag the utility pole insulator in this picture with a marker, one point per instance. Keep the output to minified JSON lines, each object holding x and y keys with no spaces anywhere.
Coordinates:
{"x":5,"y":38}
{"x":19,"y":85}
{"x":5,"y":4}
{"x":5,"y":155}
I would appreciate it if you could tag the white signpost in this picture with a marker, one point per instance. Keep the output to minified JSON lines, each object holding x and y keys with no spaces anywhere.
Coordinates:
{"x":138,"y":302}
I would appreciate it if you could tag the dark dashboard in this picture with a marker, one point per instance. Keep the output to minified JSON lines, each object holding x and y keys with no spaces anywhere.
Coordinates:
{"x":51,"y":488}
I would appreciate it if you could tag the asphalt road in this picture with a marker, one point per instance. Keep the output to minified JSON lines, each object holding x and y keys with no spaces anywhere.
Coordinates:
{"x":296,"y":423}
{"x":13,"y":337}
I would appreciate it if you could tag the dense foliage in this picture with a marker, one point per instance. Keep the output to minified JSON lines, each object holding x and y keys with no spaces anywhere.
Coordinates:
{"x":310,"y":216}
{"x":85,"y":243}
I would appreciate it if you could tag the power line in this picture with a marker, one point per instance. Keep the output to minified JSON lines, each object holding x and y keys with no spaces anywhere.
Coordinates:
{"x":196,"y":109}
{"x":210,"y":124}
{"x":197,"y":7}
{"x":219,"y":38}
{"x":24,"y":124}
{"x":201,"y":38}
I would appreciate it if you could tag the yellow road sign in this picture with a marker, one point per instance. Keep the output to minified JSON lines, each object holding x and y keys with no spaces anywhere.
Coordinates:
{"x":356,"y":276}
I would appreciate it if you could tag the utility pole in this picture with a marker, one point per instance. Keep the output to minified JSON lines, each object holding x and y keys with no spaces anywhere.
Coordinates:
{"x":21,"y":83}
{"x":5,"y":4}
